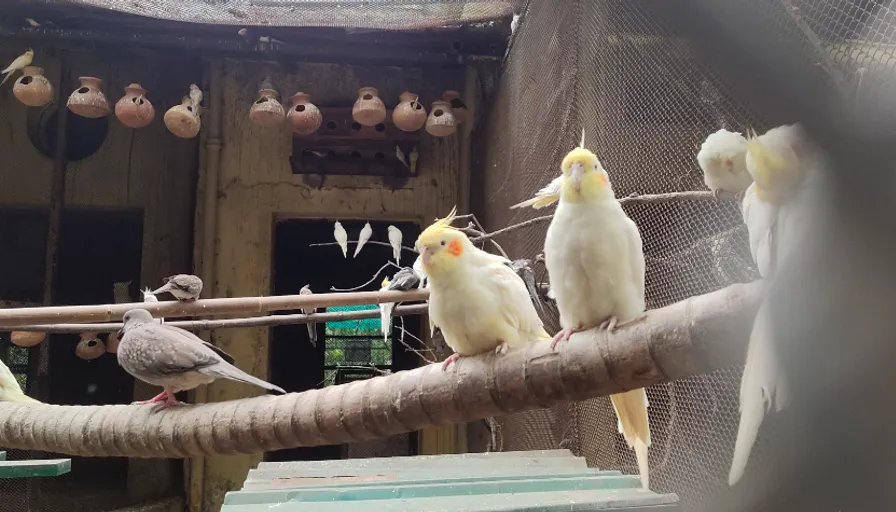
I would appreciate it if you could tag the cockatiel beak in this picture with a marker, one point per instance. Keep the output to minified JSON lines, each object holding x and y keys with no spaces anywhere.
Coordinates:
{"x":577,"y":172}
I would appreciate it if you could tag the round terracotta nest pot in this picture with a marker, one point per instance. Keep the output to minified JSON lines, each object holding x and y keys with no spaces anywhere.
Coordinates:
{"x":409,"y":115}
{"x":441,"y":122}
{"x":27,"y":339}
{"x":133,"y":109}
{"x":304,"y":116}
{"x":181,"y":120}
{"x":88,"y":100}
{"x":267,"y":110}
{"x":369,"y":109}
{"x":32,"y":88}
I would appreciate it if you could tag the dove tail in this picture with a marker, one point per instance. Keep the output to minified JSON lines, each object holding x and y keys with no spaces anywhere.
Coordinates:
{"x":631,"y":410}
{"x":162,"y":289}
{"x":760,"y":386}
{"x":228,"y":371}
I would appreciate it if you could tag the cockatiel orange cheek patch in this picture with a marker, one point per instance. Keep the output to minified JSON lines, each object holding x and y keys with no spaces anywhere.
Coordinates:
{"x":603,"y":177}
{"x":455,"y":248}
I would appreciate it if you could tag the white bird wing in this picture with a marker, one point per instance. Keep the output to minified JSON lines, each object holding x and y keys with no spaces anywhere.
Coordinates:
{"x":760,"y":218}
{"x":363,"y":237}
{"x":517,"y":307}
{"x":636,"y":253}
{"x":341,"y":238}
{"x":547,"y":196}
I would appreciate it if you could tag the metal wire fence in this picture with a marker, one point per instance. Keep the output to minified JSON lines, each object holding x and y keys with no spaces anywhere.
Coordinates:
{"x":624,"y":73}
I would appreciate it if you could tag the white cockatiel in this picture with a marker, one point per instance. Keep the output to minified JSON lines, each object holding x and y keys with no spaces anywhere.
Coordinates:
{"x":547,"y":196}
{"x":722,"y":158}
{"x":10,"y":391}
{"x":196,"y":99}
{"x":594,"y":256}
{"x":312,"y":329}
{"x":475,"y":298}
{"x":20,"y":62}
{"x":363,"y":237}
{"x":341,"y":238}
{"x":779,"y":209}
{"x":395,"y":238}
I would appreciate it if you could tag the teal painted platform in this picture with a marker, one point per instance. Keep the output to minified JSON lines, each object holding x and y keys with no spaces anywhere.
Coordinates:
{"x":536,"y":481}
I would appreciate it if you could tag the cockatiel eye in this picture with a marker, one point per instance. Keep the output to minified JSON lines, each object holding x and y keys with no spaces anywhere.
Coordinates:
{"x":443,"y":243}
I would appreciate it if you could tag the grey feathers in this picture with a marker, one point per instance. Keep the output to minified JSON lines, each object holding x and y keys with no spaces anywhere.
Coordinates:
{"x":182,"y":286}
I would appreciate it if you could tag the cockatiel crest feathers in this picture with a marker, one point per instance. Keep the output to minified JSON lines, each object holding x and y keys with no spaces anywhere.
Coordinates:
{"x":774,"y":164}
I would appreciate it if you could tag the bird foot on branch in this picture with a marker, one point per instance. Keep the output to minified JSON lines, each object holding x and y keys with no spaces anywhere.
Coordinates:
{"x":450,"y":359}
{"x":612,"y":323}
{"x":502,"y":348}
{"x":565,"y":334}
{"x":170,"y":401}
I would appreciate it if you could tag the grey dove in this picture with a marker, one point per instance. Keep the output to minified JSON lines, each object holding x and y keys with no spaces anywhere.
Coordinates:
{"x":182,"y":286}
{"x":175,"y":359}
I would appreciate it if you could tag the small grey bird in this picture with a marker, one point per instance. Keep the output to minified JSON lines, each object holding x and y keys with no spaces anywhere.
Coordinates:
{"x":182,"y":286}
{"x":523,"y":268}
{"x":405,"y":279}
{"x":175,"y":359}
{"x":312,"y":330}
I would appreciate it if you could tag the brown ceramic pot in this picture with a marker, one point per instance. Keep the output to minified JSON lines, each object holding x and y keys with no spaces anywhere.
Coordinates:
{"x":112,"y":342}
{"x":90,"y":347}
{"x":133,"y":109}
{"x":27,"y":339}
{"x":267,"y":111}
{"x":458,"y":107}
{"x":369,"y":109}
{"x":304,"y":116}
{"x":441,"y":122}
{"x":181,"y":120}
{"x":88,"y":100}
{"x":33,"y":88}
{"x":409,"y":115}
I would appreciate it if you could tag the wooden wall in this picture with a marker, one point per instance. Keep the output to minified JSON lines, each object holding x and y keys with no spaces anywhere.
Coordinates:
{"x":149,"y":169}
{"x":256,"y":184}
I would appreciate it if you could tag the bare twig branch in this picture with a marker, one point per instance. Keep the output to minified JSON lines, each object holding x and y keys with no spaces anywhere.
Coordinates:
{"x":257,"y":321}
{"x":407,"y":346}
{"x":376,"y":275}
{"x":374,"y":242}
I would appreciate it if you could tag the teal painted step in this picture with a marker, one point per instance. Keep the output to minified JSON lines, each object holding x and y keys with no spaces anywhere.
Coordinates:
{"x":34,"y":468}
{"x":330,"y":478}
{"x":562,"y":456}
{"x":632,"y":500}
{"x":449,"y":490}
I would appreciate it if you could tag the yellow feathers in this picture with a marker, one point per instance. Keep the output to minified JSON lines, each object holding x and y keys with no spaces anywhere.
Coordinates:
{"x":437,"y":228}
{"x":583,"y":177}
{"x":776,"y":170}
{"x":385,"y":282}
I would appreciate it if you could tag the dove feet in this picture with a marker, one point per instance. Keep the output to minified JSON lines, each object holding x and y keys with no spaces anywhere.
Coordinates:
{"x":564,"y":335}
{"x":158,"y":398}
{"x":502,"y":348}
{"x":450,"y":359}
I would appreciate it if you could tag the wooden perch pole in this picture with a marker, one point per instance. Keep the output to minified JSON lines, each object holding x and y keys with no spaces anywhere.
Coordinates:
{"x":204,"y":307}
{"x":229,"y":323}
{"x":694,"y":336}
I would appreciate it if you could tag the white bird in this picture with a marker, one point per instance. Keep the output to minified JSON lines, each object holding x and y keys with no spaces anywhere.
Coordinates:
{"x":148,"y":296}
{"x":196,"y":99}
{"x":405,"y":279}
{"x":32,"y":22}
{"x":723,"y":160}
{"x":10,"y":391}
{"x":780,"y":210}
{"x":414,"y":156}
{"x":20,"y":62}
{"x":400,"y":155}
{"x":363,"y":237}
{"x":121,"y":292}
{"x":385,"y":310}
{"x":312,"y":330}
{"x":395,"y":238}
{"x":341,"y":237}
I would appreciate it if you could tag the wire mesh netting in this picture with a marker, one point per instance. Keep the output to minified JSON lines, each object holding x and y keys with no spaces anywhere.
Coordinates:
{"x":624,"y":73}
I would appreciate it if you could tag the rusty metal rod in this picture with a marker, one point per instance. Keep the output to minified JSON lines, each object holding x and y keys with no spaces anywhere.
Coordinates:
{"x":229,"y":323}
{"x":204,"y":307}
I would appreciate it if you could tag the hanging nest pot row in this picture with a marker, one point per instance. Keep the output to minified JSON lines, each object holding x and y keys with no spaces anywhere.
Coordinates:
{"x":369,"y":110}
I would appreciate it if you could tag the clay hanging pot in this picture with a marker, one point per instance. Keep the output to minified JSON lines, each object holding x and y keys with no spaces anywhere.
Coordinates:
{"x":458,"y":107}
{"x":88,"y":100}
{"x":369,"y":109}
{"x":181,"y":121}
{"x":441,"y":122}
{"x":26,"y":338}
{"x":33,"y":88}
{"x":409,"y":115}
{"x":304,"y":116}
{"x":90,"y":347}
{"x":267,"y":111}
{"x":133,"y":109}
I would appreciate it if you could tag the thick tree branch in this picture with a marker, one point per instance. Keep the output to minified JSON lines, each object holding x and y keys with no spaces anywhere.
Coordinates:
{"x":697,"y":335}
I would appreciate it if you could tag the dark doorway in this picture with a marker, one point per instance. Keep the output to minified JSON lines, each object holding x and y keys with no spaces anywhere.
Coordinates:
{"x":295,"y":364}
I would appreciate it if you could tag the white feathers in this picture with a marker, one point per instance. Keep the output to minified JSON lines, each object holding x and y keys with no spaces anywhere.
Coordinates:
{"x":366,"y":231}
{"x":544,"y":197}
{"x":312,"y":330}
{"x":722,"y":158}
{"x":418,"y":268}
{"x":149,"y":297}
{"x":385,"y":311}
{"x":413,"y":158}
{"x":196,"y":99}
{"x":341,"y":238}
{"x":400,"y":155}
{"x":10,"y":391}
{"x":395,"y":241}
{"x":20,"y":62}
